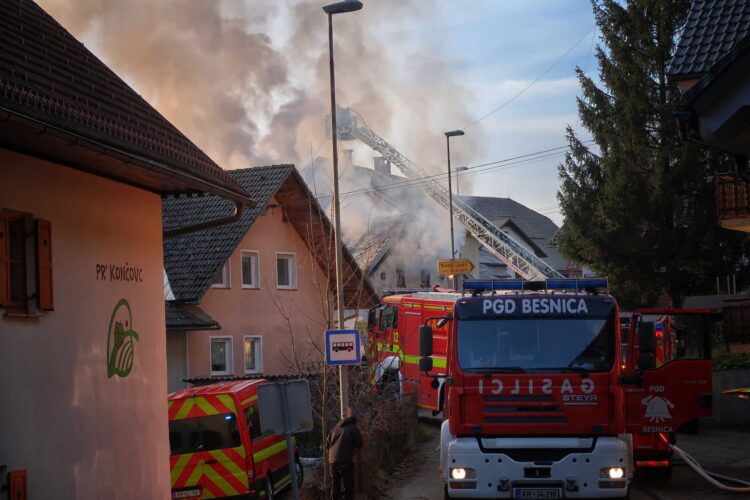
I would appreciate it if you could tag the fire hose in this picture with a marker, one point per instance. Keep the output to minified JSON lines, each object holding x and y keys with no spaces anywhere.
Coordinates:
{"x":711,"y":477}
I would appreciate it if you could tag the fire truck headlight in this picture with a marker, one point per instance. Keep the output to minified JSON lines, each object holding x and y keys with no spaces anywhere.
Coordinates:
{"x":461,"y":473}
{"x":612,"y":473}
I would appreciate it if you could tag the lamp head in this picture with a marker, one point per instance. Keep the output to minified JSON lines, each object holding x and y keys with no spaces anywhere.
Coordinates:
{"x":342,"y":7}
{"x":461,"y":169}
{"x":454,"y":133}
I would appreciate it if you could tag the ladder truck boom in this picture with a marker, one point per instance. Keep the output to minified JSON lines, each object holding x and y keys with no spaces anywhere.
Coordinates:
{"x":503,"y":246}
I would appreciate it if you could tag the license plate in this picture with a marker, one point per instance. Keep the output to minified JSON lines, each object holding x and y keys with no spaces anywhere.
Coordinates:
{"x":537,"y":493}
{"x":193,"y":493}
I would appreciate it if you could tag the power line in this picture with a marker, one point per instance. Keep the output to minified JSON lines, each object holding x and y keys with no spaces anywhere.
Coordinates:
{"x":411,"y":183}
{"x":519,"y":94}
{"x":473,"y":170}
{"x":478,"y":170}
{"x":525,"y":155}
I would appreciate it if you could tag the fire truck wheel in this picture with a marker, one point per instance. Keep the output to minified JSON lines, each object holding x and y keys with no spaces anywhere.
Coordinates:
{"x":692,"y":427}
{"x":300,"y":472}
{"x":655,"y":473}
{"x":662,"y":473}
{"x":268,"y":488}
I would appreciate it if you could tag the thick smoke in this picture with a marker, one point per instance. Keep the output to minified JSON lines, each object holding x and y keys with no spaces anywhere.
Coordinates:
{"x":210,"y":75}
{"x":248,"y":82}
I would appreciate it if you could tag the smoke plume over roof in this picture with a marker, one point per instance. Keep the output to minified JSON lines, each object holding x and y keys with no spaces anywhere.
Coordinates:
{"x":248,"y":82}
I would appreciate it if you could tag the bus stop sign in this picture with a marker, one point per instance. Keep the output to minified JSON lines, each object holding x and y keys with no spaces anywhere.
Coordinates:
{"x":343,"y":347}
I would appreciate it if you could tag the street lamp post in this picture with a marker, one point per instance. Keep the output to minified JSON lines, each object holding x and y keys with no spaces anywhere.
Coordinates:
{"x":448,"y":135}
{"x":459,"y":169}
{"x":331,"y":9}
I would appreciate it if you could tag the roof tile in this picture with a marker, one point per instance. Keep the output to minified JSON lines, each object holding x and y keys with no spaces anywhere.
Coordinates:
{"x":192,"y":260}
{"x":187,"y":317}
{"x":713,"y":30}
{"x":535,"y":226}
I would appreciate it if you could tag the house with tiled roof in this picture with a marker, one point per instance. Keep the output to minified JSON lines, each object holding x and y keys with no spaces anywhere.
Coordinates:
{"x":711,"y":65}
{"x":373,"y":247}
{"x":255,"y":296}
{"x":391,"y":254}
{"x":382,"y":254}
{"x":84,"y":163}
{"x":531,"y":229}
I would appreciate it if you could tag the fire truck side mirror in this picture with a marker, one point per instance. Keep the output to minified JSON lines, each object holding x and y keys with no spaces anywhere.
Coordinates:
{"x":425,"y":341}
{"x":646,"y":338}
{"x":373,"y":318}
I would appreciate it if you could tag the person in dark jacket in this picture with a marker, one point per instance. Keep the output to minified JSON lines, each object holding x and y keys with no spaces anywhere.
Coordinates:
{"x":343,"y":443}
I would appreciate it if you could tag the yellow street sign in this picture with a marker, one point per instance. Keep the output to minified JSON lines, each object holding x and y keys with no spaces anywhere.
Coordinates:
{"x":458,"y":266}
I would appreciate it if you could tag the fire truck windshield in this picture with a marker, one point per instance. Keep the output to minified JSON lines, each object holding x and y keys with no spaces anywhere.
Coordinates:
{"x":541,"y":344}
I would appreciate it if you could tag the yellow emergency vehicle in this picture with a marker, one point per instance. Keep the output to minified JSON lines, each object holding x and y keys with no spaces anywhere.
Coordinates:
{"x":216,"y":446}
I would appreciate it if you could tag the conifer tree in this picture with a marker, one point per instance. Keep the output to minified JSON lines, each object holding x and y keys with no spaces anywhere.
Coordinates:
{"x":638,"y":203}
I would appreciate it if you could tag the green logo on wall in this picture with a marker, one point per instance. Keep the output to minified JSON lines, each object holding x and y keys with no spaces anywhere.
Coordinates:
{"x":120,"y":344}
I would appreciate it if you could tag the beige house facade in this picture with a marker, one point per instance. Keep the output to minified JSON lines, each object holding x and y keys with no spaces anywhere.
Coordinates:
{"x":263,"y":287}
{"x":85,"y":418}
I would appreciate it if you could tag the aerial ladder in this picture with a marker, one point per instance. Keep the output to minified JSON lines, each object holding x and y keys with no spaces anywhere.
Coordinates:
{"x":351,"y":126}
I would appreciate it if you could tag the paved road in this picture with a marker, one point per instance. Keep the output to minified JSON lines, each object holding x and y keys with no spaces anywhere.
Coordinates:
{"x":726,"y":451}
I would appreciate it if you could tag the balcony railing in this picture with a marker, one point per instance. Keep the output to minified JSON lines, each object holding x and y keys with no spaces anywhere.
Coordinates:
{"x":733,"y":203}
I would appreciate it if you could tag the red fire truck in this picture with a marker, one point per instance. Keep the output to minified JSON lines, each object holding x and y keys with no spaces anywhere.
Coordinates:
{"x":532,"y":384}
{"x":667,"y":380}
{"x":393,"y":347}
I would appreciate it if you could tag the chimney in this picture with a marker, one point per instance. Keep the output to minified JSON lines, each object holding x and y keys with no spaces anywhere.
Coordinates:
{"x":382,"y":165}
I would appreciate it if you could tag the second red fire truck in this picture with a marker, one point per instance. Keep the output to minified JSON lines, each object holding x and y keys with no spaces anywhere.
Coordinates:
{"x":676,"y":358}
{"x":536,"y":400}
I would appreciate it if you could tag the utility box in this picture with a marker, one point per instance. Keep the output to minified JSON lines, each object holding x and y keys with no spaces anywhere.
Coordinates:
{"x":18,"y":485}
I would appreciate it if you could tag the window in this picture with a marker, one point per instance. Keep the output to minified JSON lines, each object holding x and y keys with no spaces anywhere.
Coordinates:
{"x":211,"y":432}
{"x":400,"y":278}
{"x":16,"y":263}
{"x":24,"y":262}
{"x":424,"y":278}
{"x":538,"y":343}
{"x":373,"y":319}
{"x":221,"y":356}
{"x":250,"y":277}
{"x":286,"y":270}
{"x":386,"y":317}
{"x":253,"y":354}
{"x":252,"y":418}
{"x":221,"y":278}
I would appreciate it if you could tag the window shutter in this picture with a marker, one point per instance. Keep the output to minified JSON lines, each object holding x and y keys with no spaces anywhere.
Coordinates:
{"x":4,"y":261}
{"x":45,"y":296}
